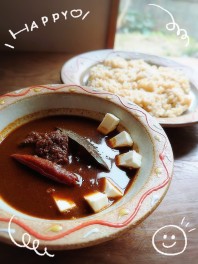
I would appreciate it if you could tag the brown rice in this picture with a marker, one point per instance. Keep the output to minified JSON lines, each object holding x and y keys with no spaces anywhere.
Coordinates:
{"x":162,"y":91}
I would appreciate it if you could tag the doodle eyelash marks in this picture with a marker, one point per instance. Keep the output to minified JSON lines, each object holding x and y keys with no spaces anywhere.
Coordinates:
{"x":171,"y":26}
{"x":26,"y":241}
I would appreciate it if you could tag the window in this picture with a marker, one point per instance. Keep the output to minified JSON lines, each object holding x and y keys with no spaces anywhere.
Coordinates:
{"x":142,"y":27}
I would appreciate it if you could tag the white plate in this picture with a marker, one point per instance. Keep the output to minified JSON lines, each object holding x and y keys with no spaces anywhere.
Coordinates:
{"x":76,"y":71}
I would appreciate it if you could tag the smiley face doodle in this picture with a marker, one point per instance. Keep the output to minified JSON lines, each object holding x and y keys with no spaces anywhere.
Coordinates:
{"x":173,"y":237}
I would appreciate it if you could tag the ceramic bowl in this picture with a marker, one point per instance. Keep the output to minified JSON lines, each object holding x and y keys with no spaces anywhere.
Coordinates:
{"x":145,"y":194}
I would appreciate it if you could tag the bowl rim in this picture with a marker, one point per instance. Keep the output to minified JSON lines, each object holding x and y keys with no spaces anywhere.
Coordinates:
{"x":81,"y":233}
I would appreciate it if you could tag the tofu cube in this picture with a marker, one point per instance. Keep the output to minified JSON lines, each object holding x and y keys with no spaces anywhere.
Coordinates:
{"x":64,"y":205}
{"x":97,"y":201}
{"x":111,"y":190}
{"x":131,"y":159}
{"x":108,"y":124}
{"x":123,"y":139}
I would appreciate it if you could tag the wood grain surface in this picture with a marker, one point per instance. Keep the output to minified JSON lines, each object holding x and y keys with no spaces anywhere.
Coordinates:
{"x":19,"y":70}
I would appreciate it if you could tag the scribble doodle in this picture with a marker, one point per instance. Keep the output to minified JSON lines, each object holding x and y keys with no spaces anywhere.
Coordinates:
{"x":26,"y":239}
{"x":171,"y":26}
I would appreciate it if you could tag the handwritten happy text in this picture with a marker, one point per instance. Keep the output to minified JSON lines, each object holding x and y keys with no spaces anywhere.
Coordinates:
{"x":75,"y":14}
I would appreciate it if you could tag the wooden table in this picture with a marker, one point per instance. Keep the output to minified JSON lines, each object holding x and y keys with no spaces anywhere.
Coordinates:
{"x":19,"y":70}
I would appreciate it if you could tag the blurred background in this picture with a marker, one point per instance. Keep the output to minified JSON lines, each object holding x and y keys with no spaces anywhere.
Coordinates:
{"x":142,"y":28}
{"x":72,"y":35}
{"x":121,"y":24}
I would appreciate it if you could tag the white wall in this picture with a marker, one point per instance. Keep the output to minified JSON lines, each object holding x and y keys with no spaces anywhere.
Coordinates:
{"x":71,"y":35}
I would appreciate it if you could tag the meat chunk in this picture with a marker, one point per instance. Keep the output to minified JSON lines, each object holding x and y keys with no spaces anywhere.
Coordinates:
{"x":52,"y":146}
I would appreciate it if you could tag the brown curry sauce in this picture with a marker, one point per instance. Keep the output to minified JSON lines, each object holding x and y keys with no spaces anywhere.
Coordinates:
{"x":31,"y":193}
